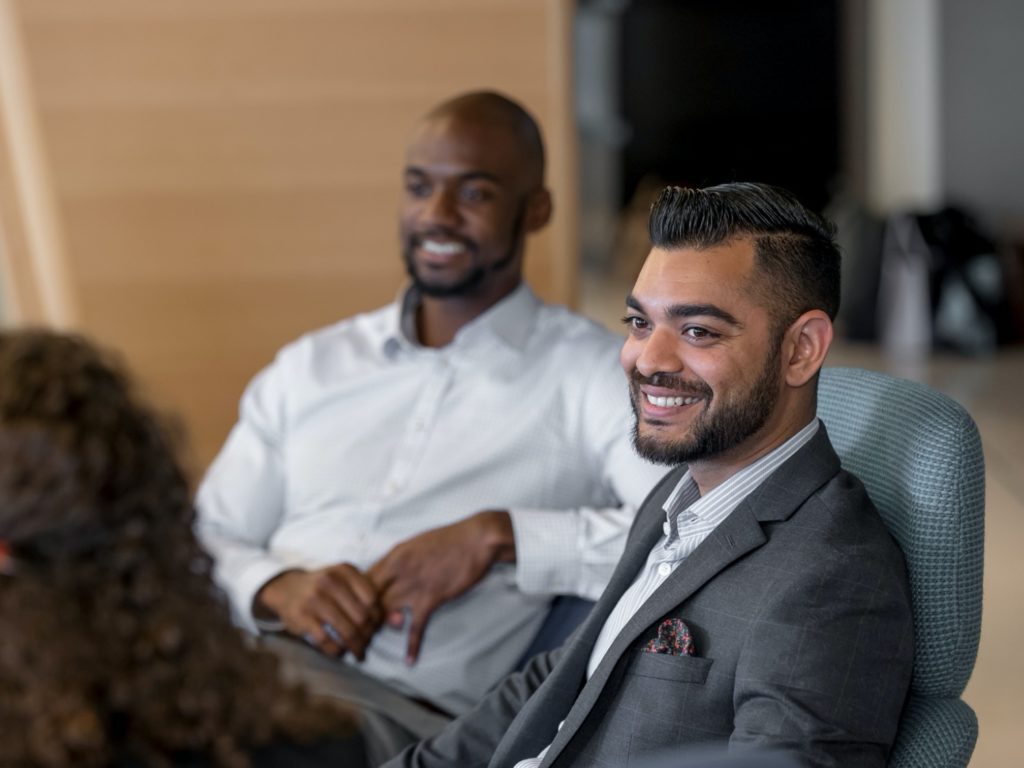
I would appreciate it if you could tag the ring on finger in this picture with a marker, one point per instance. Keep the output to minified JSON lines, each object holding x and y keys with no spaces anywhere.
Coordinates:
{"x":331,"y":632}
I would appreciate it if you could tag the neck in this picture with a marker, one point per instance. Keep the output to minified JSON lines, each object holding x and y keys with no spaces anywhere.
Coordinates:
{"x":439,"y":319}
{"x":712,"y":472}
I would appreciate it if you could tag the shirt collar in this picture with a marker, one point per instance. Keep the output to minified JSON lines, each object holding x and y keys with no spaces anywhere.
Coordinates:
{"x":510,"y":320}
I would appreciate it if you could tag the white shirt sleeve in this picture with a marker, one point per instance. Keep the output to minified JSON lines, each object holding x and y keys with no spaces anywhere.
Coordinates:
{"x":575,"y":551}
{"x":241,"y":500}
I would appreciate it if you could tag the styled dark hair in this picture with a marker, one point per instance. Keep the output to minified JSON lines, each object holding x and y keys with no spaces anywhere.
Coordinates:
{"x":796,"y":256}
{"x":115,"y":644}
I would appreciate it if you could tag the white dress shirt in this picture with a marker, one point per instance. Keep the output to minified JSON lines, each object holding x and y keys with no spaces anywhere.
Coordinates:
{"x":356,"y":438}
{"x":689,"y":519}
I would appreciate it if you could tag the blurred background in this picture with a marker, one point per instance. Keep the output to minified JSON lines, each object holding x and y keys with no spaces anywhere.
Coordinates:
{"x":196,"y":182}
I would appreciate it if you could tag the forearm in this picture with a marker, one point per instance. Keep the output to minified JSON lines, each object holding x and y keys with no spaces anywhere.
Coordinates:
{"x":240,"y":506}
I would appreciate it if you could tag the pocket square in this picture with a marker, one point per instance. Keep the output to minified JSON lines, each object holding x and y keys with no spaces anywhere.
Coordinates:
{"x":674,"y":638}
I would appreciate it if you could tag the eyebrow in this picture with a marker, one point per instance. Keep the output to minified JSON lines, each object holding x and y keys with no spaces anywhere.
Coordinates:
{"x":468,"y":176}
{"x":688,"y":310}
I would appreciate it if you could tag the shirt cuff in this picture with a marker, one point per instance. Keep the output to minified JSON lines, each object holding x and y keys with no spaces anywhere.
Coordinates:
{"x":548,"y":557}
{"x":243,"y":595}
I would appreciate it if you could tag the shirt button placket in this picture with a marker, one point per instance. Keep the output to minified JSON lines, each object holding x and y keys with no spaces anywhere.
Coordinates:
{"x":410,"y":448}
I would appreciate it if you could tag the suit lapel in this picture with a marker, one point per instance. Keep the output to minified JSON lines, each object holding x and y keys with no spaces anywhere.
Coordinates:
{"x":533,"y":729}
{"x":647,"y":529}
{"x":741,"y":532}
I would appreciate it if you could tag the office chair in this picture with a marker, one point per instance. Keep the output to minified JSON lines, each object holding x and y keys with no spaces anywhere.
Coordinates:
{"x":919,"y":454}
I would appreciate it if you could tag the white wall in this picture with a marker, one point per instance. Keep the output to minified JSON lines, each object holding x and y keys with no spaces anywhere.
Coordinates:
{"x":983,"y":108}
{"x":903,"y":105}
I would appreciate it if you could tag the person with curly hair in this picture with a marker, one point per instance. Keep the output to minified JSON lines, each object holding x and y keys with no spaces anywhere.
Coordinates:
{"x":117,"y":648}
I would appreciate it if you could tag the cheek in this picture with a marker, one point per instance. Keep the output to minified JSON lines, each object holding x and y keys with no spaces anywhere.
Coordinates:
{"x":628,"y":355}
{"x":731,"y":383}
{"x":715,"y":370}
{"x":405,"y":223}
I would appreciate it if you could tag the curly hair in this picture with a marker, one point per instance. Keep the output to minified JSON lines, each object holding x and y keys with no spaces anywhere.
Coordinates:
{"x":116,"y":644}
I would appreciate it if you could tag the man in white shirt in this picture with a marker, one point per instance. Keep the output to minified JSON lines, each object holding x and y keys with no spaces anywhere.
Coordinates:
{"x":456,"y":457}
{"x":760,"y":601}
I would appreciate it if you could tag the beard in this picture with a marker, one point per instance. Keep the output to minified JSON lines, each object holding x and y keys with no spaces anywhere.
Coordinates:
{"x":712,"y":433}
{"x":469,"y":282}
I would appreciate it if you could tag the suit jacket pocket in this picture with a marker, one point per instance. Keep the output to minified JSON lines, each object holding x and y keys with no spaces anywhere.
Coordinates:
{"x":663,"y":666}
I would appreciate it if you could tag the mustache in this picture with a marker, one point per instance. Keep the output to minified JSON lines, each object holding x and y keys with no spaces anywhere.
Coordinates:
{"x":416,"y":239}
{"x":695,"y":388}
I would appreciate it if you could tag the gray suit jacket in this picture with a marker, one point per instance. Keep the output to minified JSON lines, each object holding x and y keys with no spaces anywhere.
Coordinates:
{"x":800,"y":610}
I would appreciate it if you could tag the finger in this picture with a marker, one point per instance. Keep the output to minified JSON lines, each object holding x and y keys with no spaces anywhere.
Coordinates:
{"x":361,"y":586}
{"x":343,"y":596}
{"x":315,"y":635}
{"x":325,"y":646}
{"x":355,"y":592}
{"x":337,"y":627}
{"x":417,"y":628}
{"x":343,"y":632}
{"x":302,"y":621}
{"x":396,"y":596}
{"x":382,"y":573}
{"x":394,"y":601}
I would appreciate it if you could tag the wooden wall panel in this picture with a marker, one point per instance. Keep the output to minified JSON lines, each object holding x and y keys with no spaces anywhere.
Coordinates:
{"x":33,"y":272}
{"x":227,"y":171}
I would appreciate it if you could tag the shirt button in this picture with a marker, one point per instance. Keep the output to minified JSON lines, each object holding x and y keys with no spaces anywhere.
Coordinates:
{"x":664,"y":569}
{"x":391,"y":488}
{"x":666,"y":528}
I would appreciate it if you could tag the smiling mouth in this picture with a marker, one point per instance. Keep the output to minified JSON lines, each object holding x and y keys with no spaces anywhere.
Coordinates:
{"x":670,"y":402}
{"x":442,"y":248}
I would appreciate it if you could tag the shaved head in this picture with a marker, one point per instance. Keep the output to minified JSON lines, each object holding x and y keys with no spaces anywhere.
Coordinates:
{"x":497,"y":112}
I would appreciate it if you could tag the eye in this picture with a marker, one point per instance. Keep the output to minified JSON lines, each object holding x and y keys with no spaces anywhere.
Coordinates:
{"x":698,"y":333}
{"x":635,"y":323}
{"x":417,"y":188}
{"x":474,"y":193}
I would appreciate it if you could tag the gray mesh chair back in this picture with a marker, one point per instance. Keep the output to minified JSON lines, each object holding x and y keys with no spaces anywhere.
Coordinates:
{"x":918,"y":453}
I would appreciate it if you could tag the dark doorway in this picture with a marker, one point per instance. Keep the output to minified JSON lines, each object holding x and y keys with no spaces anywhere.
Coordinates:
{"x":727,"y":90}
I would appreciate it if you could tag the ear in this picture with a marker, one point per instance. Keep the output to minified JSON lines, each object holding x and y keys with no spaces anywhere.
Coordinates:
{"x":807,"y":342}
{"x":539,"y":206}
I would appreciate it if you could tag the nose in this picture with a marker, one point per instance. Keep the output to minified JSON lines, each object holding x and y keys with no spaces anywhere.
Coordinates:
{"x":440,"y":209}
{"x":658,"y":352}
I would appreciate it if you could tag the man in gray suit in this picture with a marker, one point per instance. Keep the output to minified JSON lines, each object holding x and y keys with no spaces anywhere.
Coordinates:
{"x":760,"y":601}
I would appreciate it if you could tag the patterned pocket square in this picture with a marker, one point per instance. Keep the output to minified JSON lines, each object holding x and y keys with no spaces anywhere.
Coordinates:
{"x":673,"y":638}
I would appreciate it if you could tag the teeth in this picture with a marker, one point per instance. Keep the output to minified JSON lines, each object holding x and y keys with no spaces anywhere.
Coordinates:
{"x":443,"y":249}
{"x":665,"y":402}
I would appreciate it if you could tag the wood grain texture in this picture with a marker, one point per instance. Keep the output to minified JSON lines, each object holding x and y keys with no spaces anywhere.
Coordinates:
{"x":34,"y":268}
{"x":228,"y":171}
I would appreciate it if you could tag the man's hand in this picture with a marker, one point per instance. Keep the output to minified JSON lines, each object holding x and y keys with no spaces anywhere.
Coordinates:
{"x":421,"y":573}
{"x":334,"y":609}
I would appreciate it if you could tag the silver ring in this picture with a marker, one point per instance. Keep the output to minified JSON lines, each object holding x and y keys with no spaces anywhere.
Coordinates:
{"x":331,"y":632}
